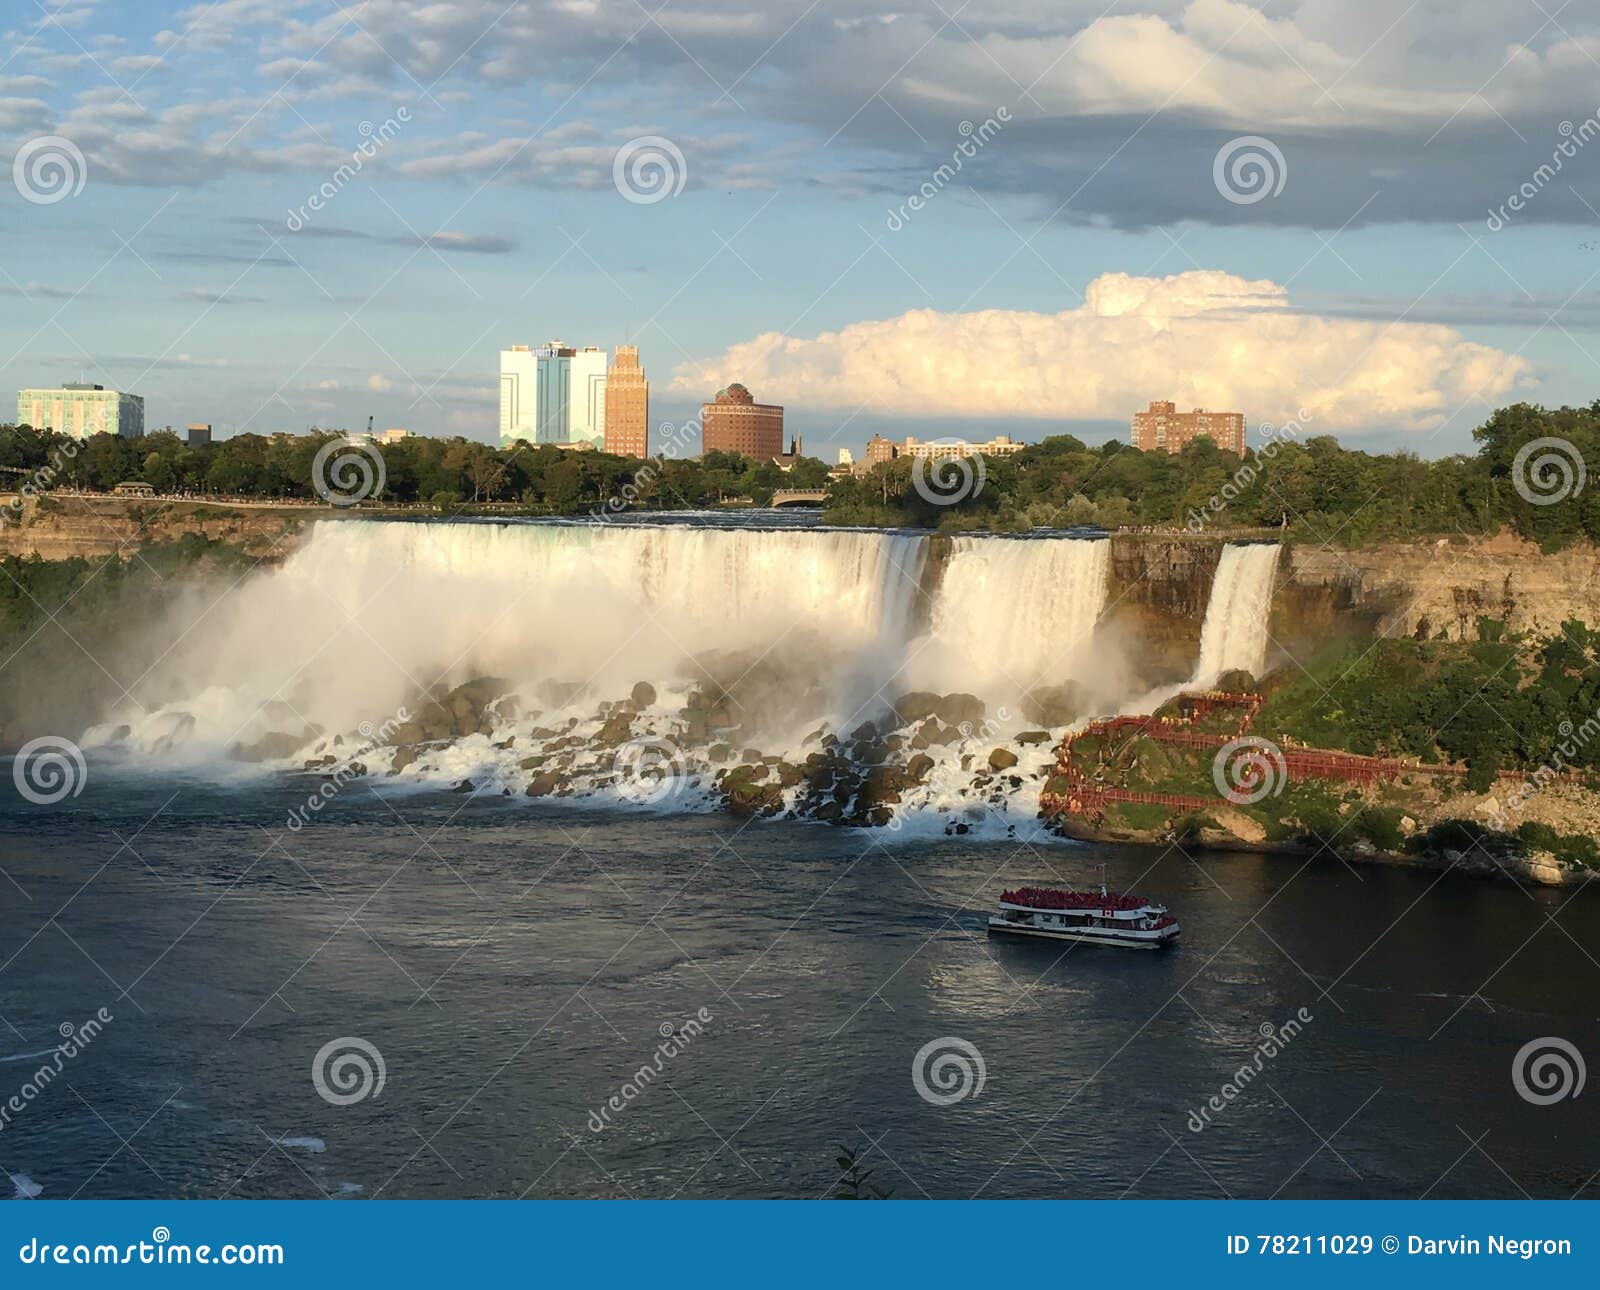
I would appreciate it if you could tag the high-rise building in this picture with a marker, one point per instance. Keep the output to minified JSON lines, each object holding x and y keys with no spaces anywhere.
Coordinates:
{"x":199,"y":435}
{"x":735,"y":422}
{"x":627,"y":405}
{"x":1161,"y":427}
{"x":81,"y":410}
{"x":519,"y":383}
{"x":586,"y":415}
{"x":552,"y":394}
{"x":880,"y":449}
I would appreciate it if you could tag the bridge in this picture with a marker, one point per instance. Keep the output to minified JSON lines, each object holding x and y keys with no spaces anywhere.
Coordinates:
{"x":799,"y":496}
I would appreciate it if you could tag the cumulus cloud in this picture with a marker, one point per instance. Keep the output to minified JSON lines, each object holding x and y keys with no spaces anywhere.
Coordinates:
{"x":1203,"y":339}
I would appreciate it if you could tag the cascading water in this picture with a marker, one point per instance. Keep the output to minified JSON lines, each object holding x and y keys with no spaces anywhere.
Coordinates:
{"x":1234,"y":634}
{"x":1013,"y":615}
{"x":775,"y":671}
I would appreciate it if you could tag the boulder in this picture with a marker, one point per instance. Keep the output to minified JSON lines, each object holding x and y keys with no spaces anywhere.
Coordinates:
{"x":643,"y":694}
{"x":915,"y":706}
{"x":961,"y":709}
{"x":1002,"y":759}
{"x":1056,"y":705}
{"x":1034,"y":737}
{"x":919,"y":766}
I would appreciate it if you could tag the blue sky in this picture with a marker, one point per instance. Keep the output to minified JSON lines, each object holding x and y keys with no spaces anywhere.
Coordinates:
{"x":1092,"y":250}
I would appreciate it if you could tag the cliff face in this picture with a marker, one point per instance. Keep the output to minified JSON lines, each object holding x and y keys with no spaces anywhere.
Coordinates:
{"x":1159,"y":588}
{"x":1421,"y":589}
{"x":68,"y":526}
{"x":1156,"y":602}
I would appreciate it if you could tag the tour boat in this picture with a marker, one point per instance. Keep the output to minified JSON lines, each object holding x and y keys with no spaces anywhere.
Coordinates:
{"x":1098,"y":917}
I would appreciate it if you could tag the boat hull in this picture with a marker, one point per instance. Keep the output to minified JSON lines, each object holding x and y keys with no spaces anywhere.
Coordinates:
{"x":1129,"y":940}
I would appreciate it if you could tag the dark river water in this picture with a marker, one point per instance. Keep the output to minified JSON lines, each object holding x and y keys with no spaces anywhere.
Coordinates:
{"x":514,"y":967}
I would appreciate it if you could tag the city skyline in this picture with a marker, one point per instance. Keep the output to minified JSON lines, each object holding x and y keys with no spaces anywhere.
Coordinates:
{"x":318,"y":215}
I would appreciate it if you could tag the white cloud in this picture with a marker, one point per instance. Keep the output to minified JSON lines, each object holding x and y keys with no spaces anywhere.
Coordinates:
{"x":1203,"y":339}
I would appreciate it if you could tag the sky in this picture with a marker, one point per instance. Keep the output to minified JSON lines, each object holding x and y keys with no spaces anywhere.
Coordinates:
{"x":909,"y":217}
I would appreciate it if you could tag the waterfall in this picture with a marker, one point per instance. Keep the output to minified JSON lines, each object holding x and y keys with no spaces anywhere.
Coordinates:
{"x":1013,"y":615}
{"x":1234,"y":634}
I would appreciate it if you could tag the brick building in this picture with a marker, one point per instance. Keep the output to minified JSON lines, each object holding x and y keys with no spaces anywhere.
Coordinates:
{"x":735,"y":422}
{"x":627,"y":405}
{"x":1161,"y":427}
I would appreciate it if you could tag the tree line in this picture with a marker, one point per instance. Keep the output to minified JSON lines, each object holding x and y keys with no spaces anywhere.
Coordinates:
{"x":418,"y":470}
{"x":1312,"y":489}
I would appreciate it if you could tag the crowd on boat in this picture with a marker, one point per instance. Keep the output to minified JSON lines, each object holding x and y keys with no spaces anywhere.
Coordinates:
{"x":1051,"y":898}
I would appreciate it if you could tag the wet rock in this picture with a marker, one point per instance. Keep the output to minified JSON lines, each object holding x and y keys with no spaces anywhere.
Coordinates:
{"x":719,"y":753}
{"x":465,"y":786}
{"x":1002,"y":759}
{"x":752,"y":754}
{"x":1034,"y":737}
{"x":1236,"y":681}
{"x":403,"y":757}
{"x":643,"y":695}
{"x":542,"y":785}
{"x":919,"y":766}
{"x":814,"y":737}
{"x":1056,"y":705}
{"x":506,"y":743}
{"x":866,"y":730}
{"x":618,"y":729}
{"x":961,"y":709}
{"x":915,"y":706}
{"x":315,"y":763}
{"x":829,"y":812}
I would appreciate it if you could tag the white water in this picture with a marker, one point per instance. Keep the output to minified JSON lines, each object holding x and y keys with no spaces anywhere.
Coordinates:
{"x":1013,"y":616}
{"x":806,"y":628}
{"x":1234,"y":634}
